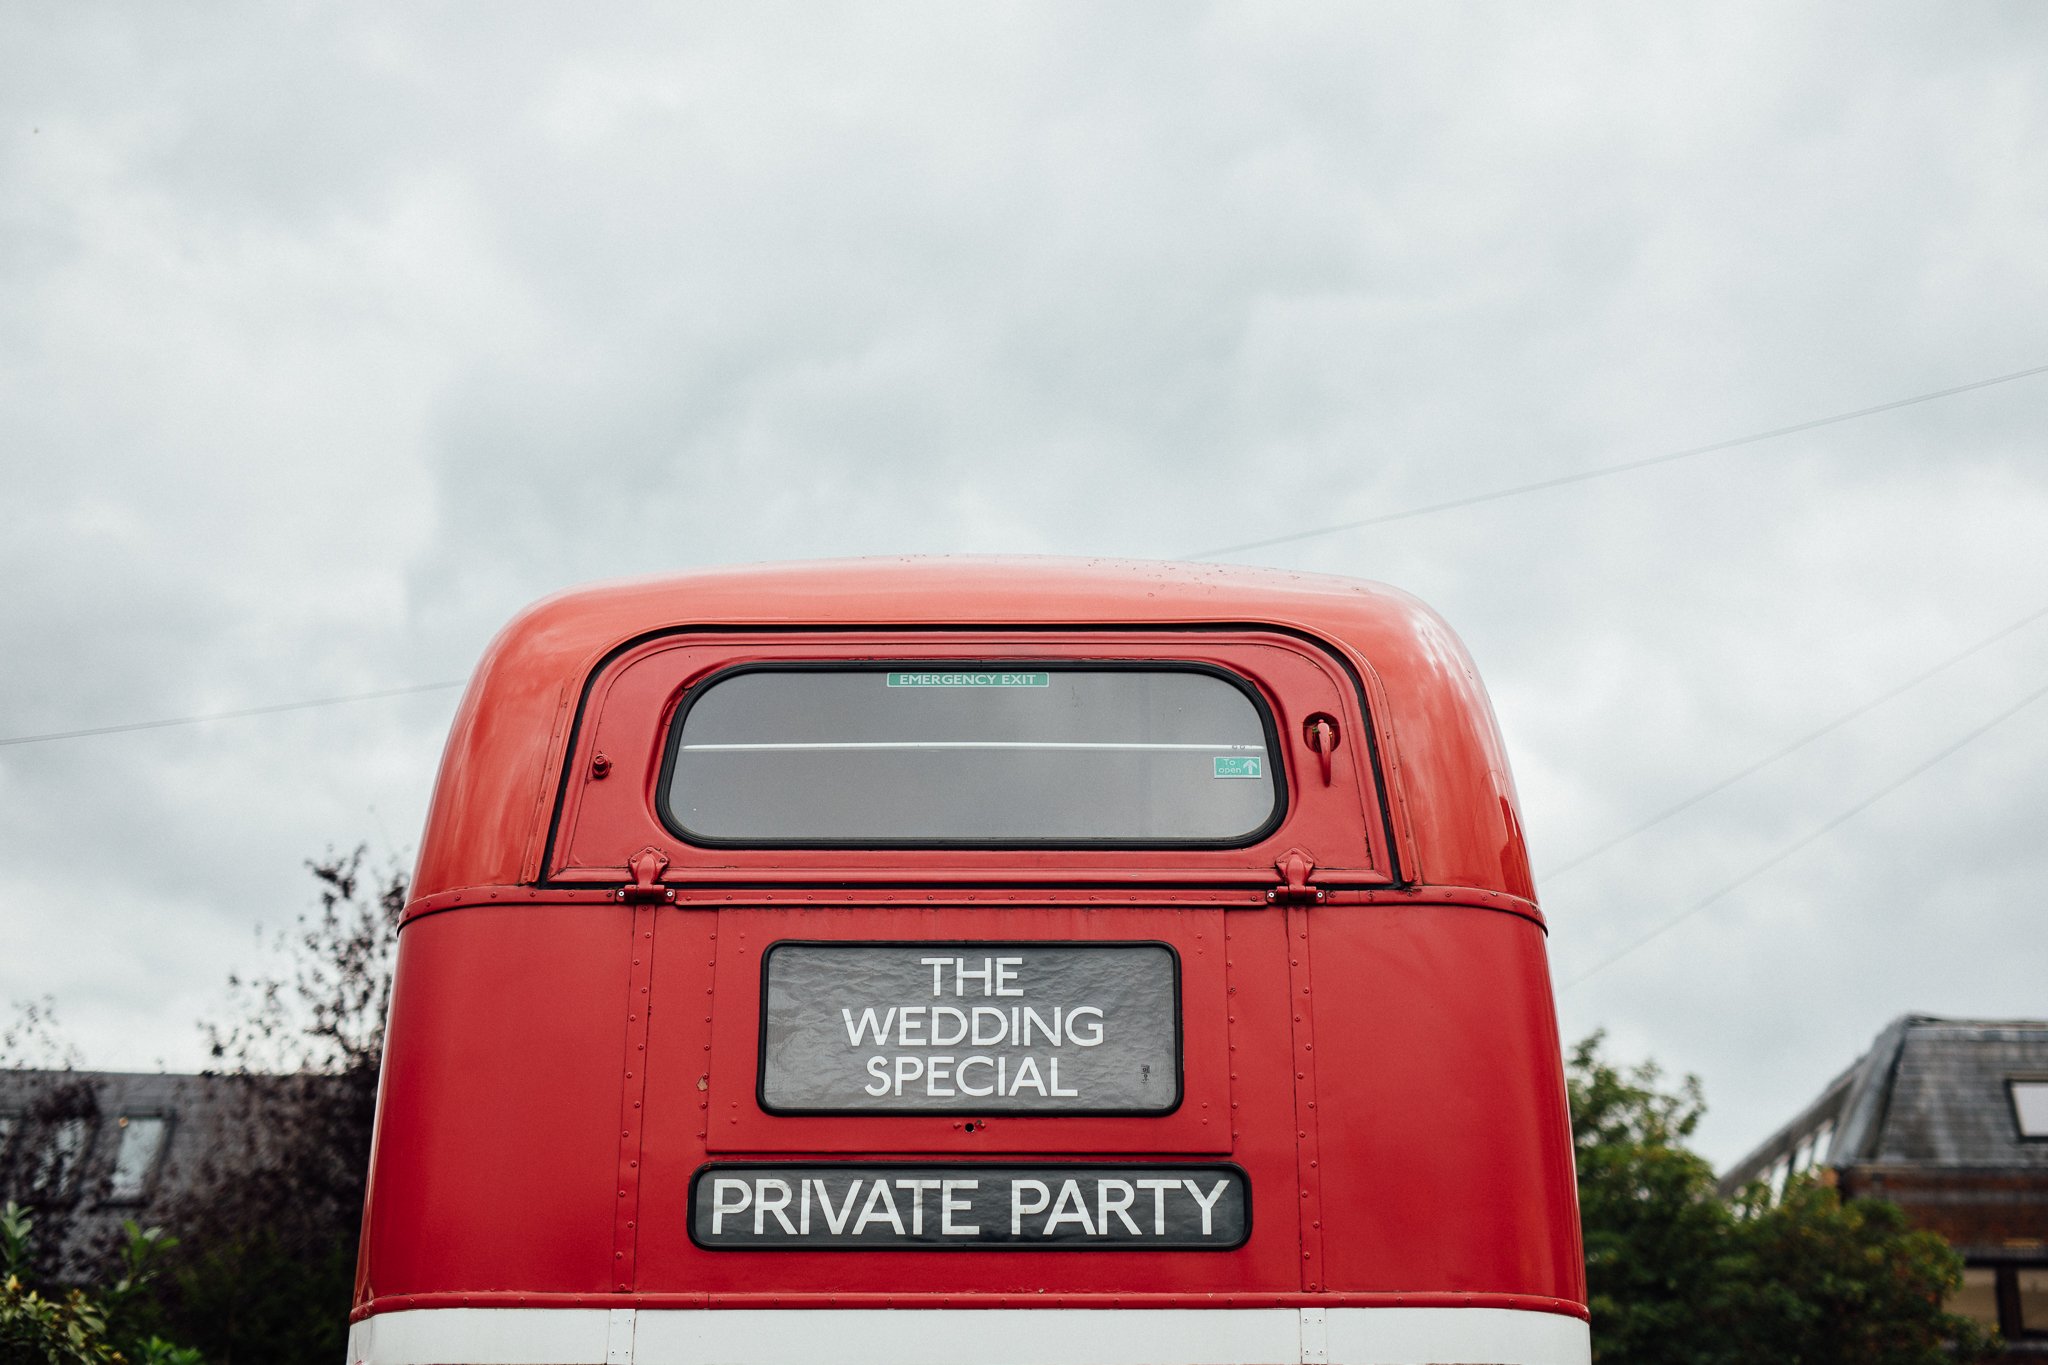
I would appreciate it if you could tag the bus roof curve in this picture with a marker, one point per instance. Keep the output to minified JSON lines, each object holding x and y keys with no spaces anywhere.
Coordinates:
{"x":1441,"y":749}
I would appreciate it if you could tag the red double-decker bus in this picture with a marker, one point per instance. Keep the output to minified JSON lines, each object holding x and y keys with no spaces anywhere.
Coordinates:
{"x":985,"y":961}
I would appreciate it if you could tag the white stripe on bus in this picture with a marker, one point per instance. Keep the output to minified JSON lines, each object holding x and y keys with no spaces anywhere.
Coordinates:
{"x":985,"y":1336}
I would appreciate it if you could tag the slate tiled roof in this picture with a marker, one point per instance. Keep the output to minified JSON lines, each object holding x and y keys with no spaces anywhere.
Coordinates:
{"x":61,"y":1136}
{"x":1948,"y":1103}
{"x":1930,"y":1094}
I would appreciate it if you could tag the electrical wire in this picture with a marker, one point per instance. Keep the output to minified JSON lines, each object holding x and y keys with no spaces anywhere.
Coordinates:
{"x":1782,"y":854}
{"x":127,"y":726}
{"x":1604,"y":471}
{"x":1473,"y":500}
{"x":1837,"y":723}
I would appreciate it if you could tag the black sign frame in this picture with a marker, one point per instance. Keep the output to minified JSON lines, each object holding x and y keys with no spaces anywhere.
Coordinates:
{"x":1180,"y":1083}
{"x":1053,"y":1169}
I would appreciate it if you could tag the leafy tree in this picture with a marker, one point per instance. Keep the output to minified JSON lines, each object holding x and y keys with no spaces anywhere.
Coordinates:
{"x":1676,"y":1276}
{"x":271,"y":1223}
{"x":1653,"y":1229}
{"x":264,"y":1265}
{"x":1816,"y":1278}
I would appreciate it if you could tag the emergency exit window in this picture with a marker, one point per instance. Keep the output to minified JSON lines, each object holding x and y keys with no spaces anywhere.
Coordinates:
{"x":973,"y":754}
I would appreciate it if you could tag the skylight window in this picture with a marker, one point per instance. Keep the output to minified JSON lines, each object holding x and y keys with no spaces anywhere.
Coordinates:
{"x":2030,"y":1106}
{"x":142,"y":1141}
{"x":56,"y":1163}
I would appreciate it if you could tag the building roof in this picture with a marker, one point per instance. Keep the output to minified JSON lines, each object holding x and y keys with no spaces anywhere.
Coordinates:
{"x":87,"y":1149}
{"x":1931,"y":1093}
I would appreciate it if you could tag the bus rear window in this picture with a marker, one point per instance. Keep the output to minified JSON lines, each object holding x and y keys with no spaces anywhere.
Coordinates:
{"x":972,"y":754}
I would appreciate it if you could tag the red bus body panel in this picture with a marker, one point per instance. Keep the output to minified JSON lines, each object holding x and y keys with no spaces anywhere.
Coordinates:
{"x":1383,"y":1064}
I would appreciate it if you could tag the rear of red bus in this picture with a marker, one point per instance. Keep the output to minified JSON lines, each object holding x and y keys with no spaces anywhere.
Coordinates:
{"x":973,"y":961}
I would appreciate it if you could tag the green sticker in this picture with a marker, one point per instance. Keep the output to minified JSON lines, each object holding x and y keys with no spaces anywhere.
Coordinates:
{"x":970,"y":680}
{"x":1240,"y":767}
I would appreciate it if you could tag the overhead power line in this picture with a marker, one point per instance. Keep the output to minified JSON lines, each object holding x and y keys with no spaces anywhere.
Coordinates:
{"x":1837,"y":723}
{"x":1558,"y":482}
{"x":126,"y":726}
{"x":1782,"y":854}
{"x":1604,"y":471}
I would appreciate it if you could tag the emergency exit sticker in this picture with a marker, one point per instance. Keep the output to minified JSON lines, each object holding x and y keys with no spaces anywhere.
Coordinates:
{"x":1239,"y":767}
{"x":969,"y":1207}
{"x":971,"y":679}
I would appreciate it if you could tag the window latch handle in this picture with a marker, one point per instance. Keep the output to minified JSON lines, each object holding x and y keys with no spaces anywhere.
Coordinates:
{"x":1319,"y":732}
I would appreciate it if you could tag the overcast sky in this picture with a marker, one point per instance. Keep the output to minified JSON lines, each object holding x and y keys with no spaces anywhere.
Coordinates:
{"x":331,"y":336}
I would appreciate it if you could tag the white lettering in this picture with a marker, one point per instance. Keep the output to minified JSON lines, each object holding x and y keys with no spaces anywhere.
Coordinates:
{"x":960,"y":1076}
{"x":938,"y":966}
{"x":917,"y":1189}
{"x":961,"y":976}
{"x":1004,"y":975}
{"x":1070,"y":1192}
{"x":1002,"y":1026}
{"x":763,"y":1205}
{"x":878,"y":1067}
{"x":720,"y":1188}
{"x":878,"y":1193}
{"x":1094,"y":1035}
{"x":1027,"y":1073}
{"x":1105,"y":1206}
{"x":868,"y":1022}
{"x":1159,"y":1189}
{"x":1053,"y":1067}
{"x":1209,"y":1204}
{"x":948,"y":1206}
{"x":1018,"y":1208}
{"x":835,"y":1219}
{"x":1051,"y":1031}
{"x":957,"y":1038}
{"x":903,"y":1038}
{"x":939,"y":1068}
{"x":900,"y":1205}
{"x":907,"y":1069}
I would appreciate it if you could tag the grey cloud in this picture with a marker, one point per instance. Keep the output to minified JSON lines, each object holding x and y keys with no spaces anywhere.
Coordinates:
{"x":334,"y":337}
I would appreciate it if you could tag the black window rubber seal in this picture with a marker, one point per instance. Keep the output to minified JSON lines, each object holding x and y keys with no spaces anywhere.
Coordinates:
{"x":673,"y":743}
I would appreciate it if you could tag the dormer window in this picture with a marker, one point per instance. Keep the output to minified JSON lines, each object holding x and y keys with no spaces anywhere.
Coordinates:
{"x":135,"y":1158}
{"x":2030,"y":1105}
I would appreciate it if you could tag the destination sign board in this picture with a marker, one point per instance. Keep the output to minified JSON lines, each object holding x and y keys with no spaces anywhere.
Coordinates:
{"x":982,"y":1028}
{"x":963,"y":1207}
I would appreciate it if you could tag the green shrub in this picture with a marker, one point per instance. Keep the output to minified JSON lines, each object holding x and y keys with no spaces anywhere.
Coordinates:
{"x":80,"y":1325}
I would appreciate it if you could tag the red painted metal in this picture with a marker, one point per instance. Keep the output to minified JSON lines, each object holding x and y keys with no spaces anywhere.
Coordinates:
{"x":645,"y":889}
{"x":626,"y":1212}
{"x":1295,"y":866}
{"x":1368,"y":1027}
{"x":633,"y":693}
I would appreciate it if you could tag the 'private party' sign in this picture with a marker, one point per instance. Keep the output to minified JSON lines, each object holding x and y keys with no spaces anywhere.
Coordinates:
{"x":984,"y":1028}
{"x":959,"y":1207}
